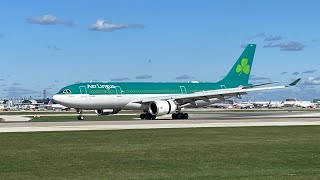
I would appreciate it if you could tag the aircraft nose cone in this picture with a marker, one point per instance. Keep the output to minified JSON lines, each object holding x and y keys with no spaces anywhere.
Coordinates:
{"x":56,"y":98}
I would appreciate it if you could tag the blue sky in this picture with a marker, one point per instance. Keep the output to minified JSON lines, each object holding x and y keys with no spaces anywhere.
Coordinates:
{"x":48,"y":44}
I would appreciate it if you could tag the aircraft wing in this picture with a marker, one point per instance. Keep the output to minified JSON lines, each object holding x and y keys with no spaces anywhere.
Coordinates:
{"x":220,"y":94}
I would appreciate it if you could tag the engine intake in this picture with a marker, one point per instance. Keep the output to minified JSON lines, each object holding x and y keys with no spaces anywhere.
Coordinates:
{"x":162,"y":107}
{"x":107,"y":111}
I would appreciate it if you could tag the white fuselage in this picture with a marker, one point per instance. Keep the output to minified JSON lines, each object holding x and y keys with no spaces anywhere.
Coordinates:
{"x":94,"y":102}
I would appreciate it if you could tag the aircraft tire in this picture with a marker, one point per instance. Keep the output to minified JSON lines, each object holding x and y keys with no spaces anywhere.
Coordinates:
{"x":142,"y":116}
{"x":185,"y":116}
{"x":148,"y":116}
{"x":80,"y":117}
{"x":180,"y":116}
{"x":174,"y":116}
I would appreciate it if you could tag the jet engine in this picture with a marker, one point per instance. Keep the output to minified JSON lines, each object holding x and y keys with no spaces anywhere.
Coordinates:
{"x":162,"y":107}
{"x":107,"y":111}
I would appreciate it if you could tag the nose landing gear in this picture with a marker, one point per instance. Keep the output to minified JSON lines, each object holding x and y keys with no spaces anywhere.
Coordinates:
{"x":80,"y":116}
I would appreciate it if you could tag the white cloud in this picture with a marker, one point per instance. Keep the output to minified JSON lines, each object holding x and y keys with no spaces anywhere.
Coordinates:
{"x":309,"y":71}
{"x":259,"y":35}
{"x":120,"y":79}
{"x":312,"y":81}
{"x":243,"y":45}
{"x":273,"y":38}
{"x":287,"y":46}
{"x":54,"y":47}
{"x":256,"y":78}
{"x":14,"y":91}
{"x":102,"y":25}
{"x":146,"y":76}
{"x":48,"y":19}
{"x":184,"y":77}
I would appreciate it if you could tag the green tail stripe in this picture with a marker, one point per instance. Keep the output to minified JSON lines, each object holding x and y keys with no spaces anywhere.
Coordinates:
{"x":295,"y":82}
{"x":240,"y":72}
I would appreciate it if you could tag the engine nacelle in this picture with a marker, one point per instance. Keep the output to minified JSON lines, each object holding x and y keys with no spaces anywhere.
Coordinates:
{"x":162,"y":107}
{"x":107,"y":111}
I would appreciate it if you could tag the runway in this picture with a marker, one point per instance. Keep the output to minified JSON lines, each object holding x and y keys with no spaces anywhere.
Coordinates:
{"x":197,"y":119}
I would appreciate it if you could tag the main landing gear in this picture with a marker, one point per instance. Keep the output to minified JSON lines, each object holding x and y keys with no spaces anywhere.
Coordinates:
{"x":80,"y":116}
{"x":148,"y":116}
{"x":180,"y":115}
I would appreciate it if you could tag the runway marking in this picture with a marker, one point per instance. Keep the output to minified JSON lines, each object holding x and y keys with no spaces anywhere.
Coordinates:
{"x":15,"y":118}
{"x":121,"y":126}
{"x":226,"y":119}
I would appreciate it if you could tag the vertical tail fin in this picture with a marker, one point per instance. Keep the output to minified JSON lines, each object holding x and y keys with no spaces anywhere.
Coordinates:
{"x":240,"y":72}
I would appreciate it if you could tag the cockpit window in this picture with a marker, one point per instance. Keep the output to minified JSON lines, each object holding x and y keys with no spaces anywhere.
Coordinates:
{"x":66,"y":91}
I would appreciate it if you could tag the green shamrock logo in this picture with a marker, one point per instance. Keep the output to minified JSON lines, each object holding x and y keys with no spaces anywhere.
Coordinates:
{"x":243,"y":67}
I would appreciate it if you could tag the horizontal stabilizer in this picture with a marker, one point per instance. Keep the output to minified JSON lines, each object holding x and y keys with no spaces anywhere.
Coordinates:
{"x":295,"y":82}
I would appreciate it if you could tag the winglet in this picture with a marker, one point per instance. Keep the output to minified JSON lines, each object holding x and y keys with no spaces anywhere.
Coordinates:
{"x":295,"y":82}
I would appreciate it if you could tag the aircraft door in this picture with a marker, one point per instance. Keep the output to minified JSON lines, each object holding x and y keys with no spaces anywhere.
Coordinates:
{"x":83,"y":90}
{"x":118,"y":90}
{"x":223,"y":86}
{"x":84,"y":99}
{"x":183,"y":90}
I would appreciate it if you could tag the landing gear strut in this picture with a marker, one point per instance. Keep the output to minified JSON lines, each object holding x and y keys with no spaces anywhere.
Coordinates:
{"x":148,"y":116}
{"x":80,"y":116}
{"x":180,"y":115}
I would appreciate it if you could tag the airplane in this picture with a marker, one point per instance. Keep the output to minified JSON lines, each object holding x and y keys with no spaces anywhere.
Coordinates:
{"x":295,"y":103}
{"x":161,"y":98}
{"x":54,"y":106}
{"x":268,"y":104}
{"x":244,"y":105}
